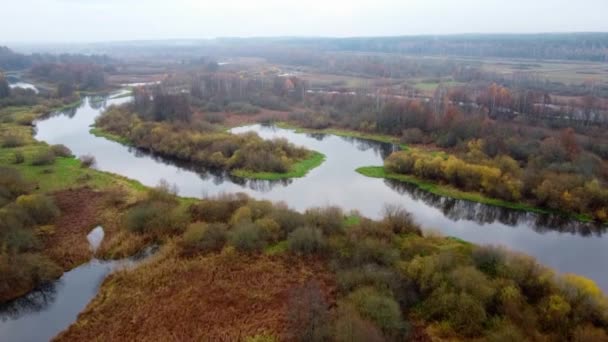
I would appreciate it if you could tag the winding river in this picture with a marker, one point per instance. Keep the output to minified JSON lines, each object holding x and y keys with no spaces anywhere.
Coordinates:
{"x":564,"y":245}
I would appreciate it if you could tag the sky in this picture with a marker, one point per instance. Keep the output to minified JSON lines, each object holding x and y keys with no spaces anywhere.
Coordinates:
{"x":116,"y":20}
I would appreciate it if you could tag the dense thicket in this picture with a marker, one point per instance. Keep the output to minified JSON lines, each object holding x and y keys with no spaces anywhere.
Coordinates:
{"x":206,"y":148}
{"x":389,"y":274}
{"x":22,"y":266}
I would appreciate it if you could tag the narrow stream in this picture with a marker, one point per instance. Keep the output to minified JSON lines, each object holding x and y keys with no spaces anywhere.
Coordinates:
{"x":565,"y":245}
{"x":43,"y":313}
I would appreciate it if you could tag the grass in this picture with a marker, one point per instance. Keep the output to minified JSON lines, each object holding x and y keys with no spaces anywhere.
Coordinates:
{"x":298,"y":170}
{"x":449,"y":191}
{"x":352,"y":220}
{"x":383,"y":138}
{"x":64,"y":173}
{"x":98,"y":132}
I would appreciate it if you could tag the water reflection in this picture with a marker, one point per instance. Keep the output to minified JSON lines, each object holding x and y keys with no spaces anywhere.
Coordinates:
{"x":335,"y":182}
{"x":457,"y":210}
{"x":35,"y":301}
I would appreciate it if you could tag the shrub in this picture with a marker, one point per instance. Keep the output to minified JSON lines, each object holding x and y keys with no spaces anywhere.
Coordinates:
{"x":306,"y":240}
{"x":40,"y":208}
{"x":218,"y":209}
{"x":61,"y":151}
{"x":350,"y":326}
{"x":367,"y":275}
{"x":287,"y":219}
{"x":242,"y":214}
{"x":372,"y":251}
{"x":215,"y":118}
{"x":19,"y":157}
{"x":489,"y":260}
{"x":12,"y":140}
{"x":412,"y":136}
{"x":45,"y":157}
{"x":242,"y":108}
{"x":12,"y":184}
{"x":87,"y":161}
{"x":163,"y":192}
{"x":270,"y":227}
{"x":381,"y":309}
{"x":115,"y":196}
{"x":399,"y":220}
{"x":25,"y":271}
{"x":329,"y":219}
{"x":247,"y":237}
{"x":154,"y":217}
{"x":205,"y":237}
{"x":26,"y":119}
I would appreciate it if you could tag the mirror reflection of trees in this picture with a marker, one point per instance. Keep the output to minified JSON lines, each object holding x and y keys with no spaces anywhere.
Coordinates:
{"x":35,"y":301}
{"x":486,"y":214}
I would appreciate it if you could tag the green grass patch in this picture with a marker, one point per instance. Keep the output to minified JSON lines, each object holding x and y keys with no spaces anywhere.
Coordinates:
{"x":98,"y":132}
{"x":352,"y":220}
{"x":298,"y":170}
{"x":277,"y":248}
{"x":449,"y":191}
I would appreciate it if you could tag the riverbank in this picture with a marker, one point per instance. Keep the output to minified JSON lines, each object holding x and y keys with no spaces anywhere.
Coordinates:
{"x":449,"y":191}
{"x":383,"y":138}
{"x":298,"y":170}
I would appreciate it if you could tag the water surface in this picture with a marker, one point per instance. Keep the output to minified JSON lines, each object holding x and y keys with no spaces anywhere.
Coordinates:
{"x":562,"y":244}
{"x":45,"y":312}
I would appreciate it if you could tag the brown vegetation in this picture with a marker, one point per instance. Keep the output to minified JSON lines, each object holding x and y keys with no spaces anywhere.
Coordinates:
{"x":223,"y":297}
{"x":66,"y":242}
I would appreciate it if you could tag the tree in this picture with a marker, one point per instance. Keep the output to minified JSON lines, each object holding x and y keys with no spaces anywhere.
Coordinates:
{"x":5,"y":89}
{"x":570,"y":144}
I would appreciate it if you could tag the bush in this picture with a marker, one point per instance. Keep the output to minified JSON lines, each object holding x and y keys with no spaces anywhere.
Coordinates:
{"x":218,"y":209}
{"x":87,"y":161}
{"x":25,"y":272}
{"x":489,"y":260}
{"x":12,"y":184}
{"x":115,"y":196}
{"x":350,"y":326}
{"x":61,"y":151}
{"x":383,"y":310}
{"x":19,"y":157}
{"x":26,"y":120}
{"x":45,"y":157}
{"x":154,"y":217}
{"x":412,"y":136}
{"x":242,"y":108}
{"x":399,"y":220}
{"x":12,"y":140}
{"x":287,"y":219}
{"x":247,"y":237}
{"x":367,"y":275}
{"x":205,"y":237}
{"x":329,"y":219}
{"x":306,"y":240}
{"x":372,"y":251}
{"x":40,"y":208}
{"x":215,"y":118}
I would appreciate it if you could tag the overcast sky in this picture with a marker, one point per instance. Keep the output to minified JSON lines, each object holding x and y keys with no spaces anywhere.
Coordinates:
{"x":111,"y":20}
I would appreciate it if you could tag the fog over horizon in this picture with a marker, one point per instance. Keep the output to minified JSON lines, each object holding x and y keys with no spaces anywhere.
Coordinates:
{"x":70,"y":21}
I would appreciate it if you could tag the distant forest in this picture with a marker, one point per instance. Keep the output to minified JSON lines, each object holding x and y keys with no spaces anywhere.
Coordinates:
{"x":574,"y":46}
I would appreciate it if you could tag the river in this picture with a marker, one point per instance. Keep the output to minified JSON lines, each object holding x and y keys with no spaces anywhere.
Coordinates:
{"x":564,"y":245}
{"x":43,"y":313}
